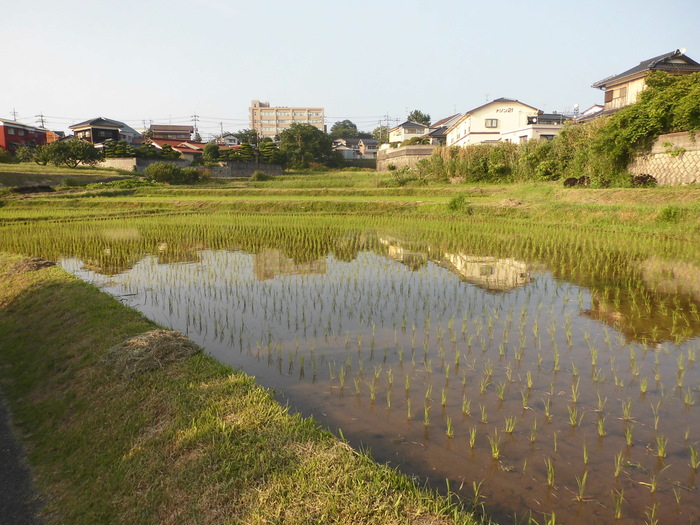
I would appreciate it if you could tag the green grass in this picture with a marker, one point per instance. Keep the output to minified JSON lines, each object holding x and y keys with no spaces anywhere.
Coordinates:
{"x":193,"y":442}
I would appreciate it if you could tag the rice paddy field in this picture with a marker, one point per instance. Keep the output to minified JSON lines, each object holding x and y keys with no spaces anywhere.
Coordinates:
{"x":539,"y":363}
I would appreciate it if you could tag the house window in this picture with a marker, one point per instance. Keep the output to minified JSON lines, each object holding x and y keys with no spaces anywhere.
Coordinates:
{"x":491,"y":122}
{"x":10,"y":131}
{"x":609,"y":96}
{"x":20,"y":132}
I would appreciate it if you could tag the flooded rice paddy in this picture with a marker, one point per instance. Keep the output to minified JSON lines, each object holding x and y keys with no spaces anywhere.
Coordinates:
{"x":535,"y":381}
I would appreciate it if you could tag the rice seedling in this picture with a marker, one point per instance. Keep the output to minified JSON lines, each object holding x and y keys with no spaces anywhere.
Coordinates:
{"x":661,"y":442}
{"x":618,"y":464}
{"x":466,"y":406}
{"x":627,"y":410}
{"x":688,"y":397}
{"x":449,"y":431}
{"x":533,"y":431}
{"x":547,"y":403}
{"x":500,"y":391}
{"x":585,"y":453}
{"x":409,"y":413}
{"x":601,"y":426}
{"x":574,"y":391}
{"x":574,"y":418}
{"x":581,"y":482}
{"x":510,"y":424}
{"x":472,"y":437}
{"x":628,"y":435}
{"x":426,"y":415}
{"x":655,"y":411}
{"x":484,"y":418}
{"x":495,"y":443}
{"x":618,"y":499}
{"x":525,"y":395}
{"x":694,"y":459}
{"x":550,"y":472}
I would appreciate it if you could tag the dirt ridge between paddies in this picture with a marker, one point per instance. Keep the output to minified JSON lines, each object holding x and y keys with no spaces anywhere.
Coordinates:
{"x":160,"y":437}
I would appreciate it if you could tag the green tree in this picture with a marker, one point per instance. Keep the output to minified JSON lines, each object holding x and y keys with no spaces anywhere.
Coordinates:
{"x":419,"y":117}
{"x":270,"y":153}
{"x":211,"y":152}
{"x":247,"y":135}
{"x":345,"y":129}
{"x":303,"y":144}
{"x":381,"y":133}
{"x":71,"y":153}
{"x":25,"y":153}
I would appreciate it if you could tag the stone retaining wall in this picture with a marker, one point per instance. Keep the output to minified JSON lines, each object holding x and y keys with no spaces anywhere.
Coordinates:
{"x":673,"y":160}
{"x":400,"y":157}
{"x":229,"y":169}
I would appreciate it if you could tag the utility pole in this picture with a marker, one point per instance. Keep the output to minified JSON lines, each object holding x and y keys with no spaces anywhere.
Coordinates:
{"x":40,"y":116}
{"x":14,"y":114}
{"x":195,"y":118}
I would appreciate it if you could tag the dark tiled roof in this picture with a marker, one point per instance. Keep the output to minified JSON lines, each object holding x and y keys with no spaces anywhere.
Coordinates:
{"x":409,"y":124}
{"x":444,"y":120}
{"x":661,"y":62}
{"x":439,"y":132}
{"x":99,"y":121}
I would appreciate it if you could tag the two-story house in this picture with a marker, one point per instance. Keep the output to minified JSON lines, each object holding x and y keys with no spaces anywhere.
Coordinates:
{"x":503,"y":119}
{"x":13,"y":135}
{"x":623,"y":89}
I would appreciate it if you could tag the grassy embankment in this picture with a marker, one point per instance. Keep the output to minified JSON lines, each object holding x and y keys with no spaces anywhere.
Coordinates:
{"x":189,"y":442}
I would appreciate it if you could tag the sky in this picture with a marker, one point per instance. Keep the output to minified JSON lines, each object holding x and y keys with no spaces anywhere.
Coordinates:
{"x":165,"y":61}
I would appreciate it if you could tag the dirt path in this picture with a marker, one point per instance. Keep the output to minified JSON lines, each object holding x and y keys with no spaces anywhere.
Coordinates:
{"x":17,"y":499}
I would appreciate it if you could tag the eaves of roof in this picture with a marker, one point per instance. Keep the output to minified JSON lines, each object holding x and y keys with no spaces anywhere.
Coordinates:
{"x":661,"y":62}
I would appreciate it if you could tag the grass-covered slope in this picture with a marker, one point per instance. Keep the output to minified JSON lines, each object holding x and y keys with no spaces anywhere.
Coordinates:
{"x":160,"y":440}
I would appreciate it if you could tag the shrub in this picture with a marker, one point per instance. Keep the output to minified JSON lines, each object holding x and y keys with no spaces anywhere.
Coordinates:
{"x":643,"y":181}
{"x":259,"y":176}
{"x":548,"y":170}
{"x":459,"y":204}
{"x":5,"y":157}
{"x":671,"y":213}
{"x":171,"y":174}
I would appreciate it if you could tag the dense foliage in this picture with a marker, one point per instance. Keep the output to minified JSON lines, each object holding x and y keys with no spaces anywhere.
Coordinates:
{"x":171,"y":174}
{"x":303,"y":144}
{"x":597,"y":152}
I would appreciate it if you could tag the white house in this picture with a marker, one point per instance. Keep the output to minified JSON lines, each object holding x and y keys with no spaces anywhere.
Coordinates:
{"x":407,"y":131}
{"x":503,"y":119}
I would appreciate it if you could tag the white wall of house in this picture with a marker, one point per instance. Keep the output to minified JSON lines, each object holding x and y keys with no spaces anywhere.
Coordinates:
{"x":490,"y":122}
{"x":399,"y":134}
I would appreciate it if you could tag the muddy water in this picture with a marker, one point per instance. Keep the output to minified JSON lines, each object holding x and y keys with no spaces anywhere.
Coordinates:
{"x":373,"y":345}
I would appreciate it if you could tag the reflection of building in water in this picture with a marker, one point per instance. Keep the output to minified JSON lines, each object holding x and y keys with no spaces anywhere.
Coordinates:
{"x":489,"y":273}
{"x":410,"y":258}
{"x":271,"y":262}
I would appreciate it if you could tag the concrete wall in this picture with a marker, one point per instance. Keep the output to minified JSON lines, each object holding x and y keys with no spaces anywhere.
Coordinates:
{"x":673,"y":160}
{"x":400,"y":157}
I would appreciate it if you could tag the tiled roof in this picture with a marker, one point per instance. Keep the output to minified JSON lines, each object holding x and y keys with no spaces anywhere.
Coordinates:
{"x":445,"y":120}
{"x":101,"y":121}
{"x":661,"y":62}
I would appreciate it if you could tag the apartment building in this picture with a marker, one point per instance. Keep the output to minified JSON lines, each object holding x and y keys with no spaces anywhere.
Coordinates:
{"x":271,"y":121}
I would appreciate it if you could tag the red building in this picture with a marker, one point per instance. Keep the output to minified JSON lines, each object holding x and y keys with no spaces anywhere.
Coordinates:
{"x":13,"y":135}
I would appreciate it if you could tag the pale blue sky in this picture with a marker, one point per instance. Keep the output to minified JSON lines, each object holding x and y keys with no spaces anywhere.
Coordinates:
{"x":143,"y":60}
